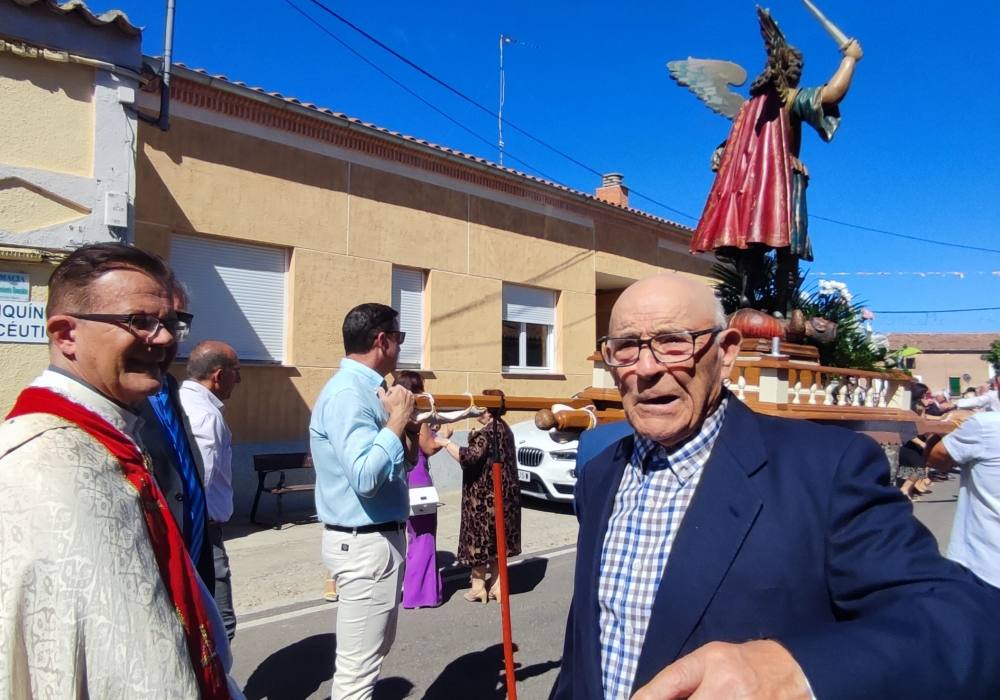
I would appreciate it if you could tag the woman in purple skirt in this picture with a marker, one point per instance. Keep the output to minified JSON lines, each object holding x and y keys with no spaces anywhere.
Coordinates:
{"x":421,"y":580}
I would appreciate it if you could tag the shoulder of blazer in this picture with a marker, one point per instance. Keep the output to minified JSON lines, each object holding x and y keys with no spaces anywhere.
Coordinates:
{"x":594,"y":441}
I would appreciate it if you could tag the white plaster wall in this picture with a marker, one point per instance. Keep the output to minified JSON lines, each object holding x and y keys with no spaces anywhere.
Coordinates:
{"x":114,"y":171}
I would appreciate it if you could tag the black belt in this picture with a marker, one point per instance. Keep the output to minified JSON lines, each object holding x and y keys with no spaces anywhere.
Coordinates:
{"x":365,"y":529}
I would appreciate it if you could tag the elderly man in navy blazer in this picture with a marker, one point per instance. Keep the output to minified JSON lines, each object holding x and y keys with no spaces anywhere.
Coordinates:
{"x":726,"y":554}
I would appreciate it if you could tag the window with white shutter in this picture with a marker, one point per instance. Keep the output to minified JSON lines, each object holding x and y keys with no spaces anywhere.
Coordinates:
{"x":529,"y":321}
{"x":408,"y":300}
{"x":238,"y":294}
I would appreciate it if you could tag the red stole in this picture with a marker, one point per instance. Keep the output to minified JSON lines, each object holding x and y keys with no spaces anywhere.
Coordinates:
{"x":175,"y":566}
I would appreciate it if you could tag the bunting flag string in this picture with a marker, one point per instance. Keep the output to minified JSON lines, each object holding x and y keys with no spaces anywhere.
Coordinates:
{"x":923,"y":274}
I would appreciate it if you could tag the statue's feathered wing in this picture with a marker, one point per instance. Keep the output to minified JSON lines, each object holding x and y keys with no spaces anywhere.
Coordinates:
{"x":710,"y":80}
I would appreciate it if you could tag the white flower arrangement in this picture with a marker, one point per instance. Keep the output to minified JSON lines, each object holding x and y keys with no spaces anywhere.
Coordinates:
{"x":829,"y":288}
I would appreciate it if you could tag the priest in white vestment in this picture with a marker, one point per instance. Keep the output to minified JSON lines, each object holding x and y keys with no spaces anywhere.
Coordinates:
{"x":96,"y":598}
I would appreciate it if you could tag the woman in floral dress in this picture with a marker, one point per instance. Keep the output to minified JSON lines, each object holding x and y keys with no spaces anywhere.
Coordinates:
{"x":477,"y":546}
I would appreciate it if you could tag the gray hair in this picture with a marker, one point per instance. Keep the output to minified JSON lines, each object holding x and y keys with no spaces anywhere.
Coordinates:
{"x":719,"y":311}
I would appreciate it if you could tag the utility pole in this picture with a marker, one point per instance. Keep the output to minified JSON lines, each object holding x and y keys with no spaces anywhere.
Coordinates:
{"x":503,"y":40}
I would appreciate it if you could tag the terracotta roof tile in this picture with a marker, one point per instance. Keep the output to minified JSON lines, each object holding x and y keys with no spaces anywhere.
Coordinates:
{"x":943,"y":342}
{"x":115,"y":18}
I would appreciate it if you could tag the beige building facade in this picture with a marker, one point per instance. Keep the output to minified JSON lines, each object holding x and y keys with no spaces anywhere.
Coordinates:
{"x":949,"y":362}
{"x":280,"y":217}
{"x":68,"y":82}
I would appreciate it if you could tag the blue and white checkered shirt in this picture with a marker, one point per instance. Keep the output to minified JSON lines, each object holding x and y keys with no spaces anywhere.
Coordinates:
{"x":653,"y":496}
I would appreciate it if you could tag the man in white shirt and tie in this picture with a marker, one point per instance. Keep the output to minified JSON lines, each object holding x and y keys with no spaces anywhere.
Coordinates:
{"x":213,"y":372}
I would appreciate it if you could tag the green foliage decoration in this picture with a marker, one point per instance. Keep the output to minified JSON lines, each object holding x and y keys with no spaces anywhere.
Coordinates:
{"x":993,"y":356}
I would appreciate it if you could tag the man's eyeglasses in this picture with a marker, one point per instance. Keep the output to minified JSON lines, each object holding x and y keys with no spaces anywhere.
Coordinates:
{"x":145,"y":326}
{"x":667,"y":348}
{"x":184,"y":320}
{"x":398,"y":336}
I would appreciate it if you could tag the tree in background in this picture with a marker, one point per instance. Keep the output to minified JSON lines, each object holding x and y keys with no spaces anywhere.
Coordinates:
{"x":993,"y":356}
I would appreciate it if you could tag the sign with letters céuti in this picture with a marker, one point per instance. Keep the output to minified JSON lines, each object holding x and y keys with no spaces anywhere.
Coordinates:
{"x":22,"y":322}
{"x":14,"y":286}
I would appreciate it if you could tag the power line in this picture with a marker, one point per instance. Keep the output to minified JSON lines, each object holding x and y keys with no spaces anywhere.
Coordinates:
{"x":449,"y":87}
{"x":468,"y":99}
{"x":903,"y":235}
{"x":408,"y":90}
{"x":941,"y":311}
{"x":640,"y":195}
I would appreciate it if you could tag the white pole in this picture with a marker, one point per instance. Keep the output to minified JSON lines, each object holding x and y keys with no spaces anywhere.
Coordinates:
{"x":500,"y":111}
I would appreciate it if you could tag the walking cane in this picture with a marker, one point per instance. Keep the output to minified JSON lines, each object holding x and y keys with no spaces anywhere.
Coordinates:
{"x":508,"y":642}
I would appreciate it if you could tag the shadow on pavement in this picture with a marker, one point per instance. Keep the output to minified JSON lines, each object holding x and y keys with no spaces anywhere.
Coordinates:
{"x":295,"y":672}
{"x":445,"y":559}
{"x":237,"y":528}
{"x":527,"y":574}
{"x":561,"y":507}
{"x":524,"y":577}
{"x":394,"y":688}
{"x":480,"y":675}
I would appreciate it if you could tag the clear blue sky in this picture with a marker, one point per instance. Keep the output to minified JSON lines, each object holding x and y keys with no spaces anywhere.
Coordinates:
{"x":916,"y":152}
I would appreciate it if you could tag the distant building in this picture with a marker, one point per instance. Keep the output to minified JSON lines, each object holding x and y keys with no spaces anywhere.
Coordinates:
{"x":68,"y":83}
{"x":948,"y":361}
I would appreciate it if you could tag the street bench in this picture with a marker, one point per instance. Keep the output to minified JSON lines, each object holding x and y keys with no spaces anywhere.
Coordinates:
{"x":279,"y":462}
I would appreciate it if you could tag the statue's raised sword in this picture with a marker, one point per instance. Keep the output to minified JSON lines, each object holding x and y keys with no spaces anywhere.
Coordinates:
{"x":832,"y":29}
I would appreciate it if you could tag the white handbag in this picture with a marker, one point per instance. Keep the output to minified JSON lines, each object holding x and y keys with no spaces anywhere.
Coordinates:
{"x":424,"y":500}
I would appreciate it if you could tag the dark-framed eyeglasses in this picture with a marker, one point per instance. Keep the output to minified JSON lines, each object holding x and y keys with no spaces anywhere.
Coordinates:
{"x":143,"y":326}
{"x":668,"y":348}
{"x":184,"y":321}
{"x":398,"y":336}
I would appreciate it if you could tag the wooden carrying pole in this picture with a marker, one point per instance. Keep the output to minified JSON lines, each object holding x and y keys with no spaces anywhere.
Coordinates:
{"x":511,"y":403}
{"x":546,"y":419}
{"x":501,"y":534}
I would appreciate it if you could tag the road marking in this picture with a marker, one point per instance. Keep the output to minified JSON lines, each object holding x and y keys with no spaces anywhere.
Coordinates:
{"x":450,"y":576}
{"x":285,"y":616}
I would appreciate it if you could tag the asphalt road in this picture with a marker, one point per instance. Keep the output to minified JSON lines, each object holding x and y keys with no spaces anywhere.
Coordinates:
{"x":454,"y":651}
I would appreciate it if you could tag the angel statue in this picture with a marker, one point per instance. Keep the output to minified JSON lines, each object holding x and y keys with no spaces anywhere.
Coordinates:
{"x":757,"y":202}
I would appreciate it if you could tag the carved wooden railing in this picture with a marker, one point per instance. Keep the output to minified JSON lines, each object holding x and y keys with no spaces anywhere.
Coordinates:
{"x":795,"y":385}
{"x":785,"y":381}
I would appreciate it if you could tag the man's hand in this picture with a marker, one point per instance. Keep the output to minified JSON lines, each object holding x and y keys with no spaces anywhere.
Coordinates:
{"x":853,"y":49}
{"x":960,"y":415}
{"x":399,"y":404}
{"x":753,"y":671}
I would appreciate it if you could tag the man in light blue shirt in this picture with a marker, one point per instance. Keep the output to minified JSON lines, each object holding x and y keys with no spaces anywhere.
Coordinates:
{"x":356,"y":435}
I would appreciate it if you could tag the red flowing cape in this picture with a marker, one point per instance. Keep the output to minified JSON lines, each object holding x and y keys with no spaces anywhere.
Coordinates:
{"x":175,"y":566}
{"x":751,"y":198}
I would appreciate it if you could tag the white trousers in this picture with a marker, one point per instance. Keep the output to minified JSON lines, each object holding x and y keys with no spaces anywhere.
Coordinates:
{"x":368,"y":569}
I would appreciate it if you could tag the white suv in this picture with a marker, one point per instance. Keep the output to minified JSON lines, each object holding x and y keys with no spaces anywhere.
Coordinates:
{"x":546,"y":461}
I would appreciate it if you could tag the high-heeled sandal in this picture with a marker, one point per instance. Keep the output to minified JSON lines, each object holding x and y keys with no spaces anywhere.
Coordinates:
{"x":474,"y":595}
{"x":477,"y":592}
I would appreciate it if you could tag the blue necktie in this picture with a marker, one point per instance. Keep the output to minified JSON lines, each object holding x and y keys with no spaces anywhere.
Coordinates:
{"x":194,"y":493}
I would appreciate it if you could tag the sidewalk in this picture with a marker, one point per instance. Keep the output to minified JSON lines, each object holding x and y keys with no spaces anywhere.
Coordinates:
{"x":274,"y":568}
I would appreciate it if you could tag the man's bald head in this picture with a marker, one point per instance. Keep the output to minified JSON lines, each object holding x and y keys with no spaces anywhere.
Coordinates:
{"x":674,"y":290}
{"x":215,"y":365}
{"x":667,"y":399}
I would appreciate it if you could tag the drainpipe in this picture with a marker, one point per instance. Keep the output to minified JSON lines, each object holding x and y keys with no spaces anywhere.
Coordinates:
{"x":168,"y":50}
{"x":163,"y":119}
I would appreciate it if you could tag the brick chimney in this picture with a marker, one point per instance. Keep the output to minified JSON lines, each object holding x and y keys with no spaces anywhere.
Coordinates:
{"x":612,"y":190}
